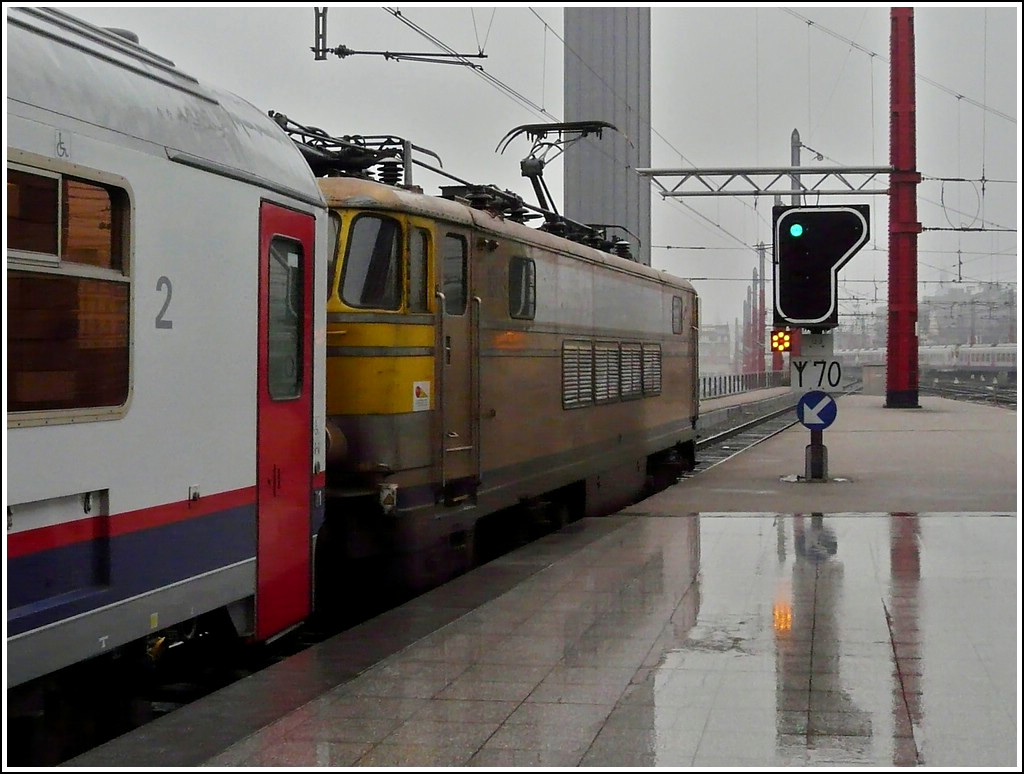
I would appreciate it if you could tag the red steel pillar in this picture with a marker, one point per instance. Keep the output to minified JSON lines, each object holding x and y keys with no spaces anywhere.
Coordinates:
{"x":901,"y":355}
{"x":745,"y":363}
{"x":755,"y":337}
{"x":761,"y":312}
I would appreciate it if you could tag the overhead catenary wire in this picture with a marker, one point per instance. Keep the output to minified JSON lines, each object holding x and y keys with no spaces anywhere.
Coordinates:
{"x":480,"y":72}
{"x":700,"y":218}
{"x":920,"y":77}
{"x":611,"y":89}
{"x":481,"y":46}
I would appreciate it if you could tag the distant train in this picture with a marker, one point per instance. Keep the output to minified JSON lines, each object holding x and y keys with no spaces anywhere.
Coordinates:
{"x":953,"y":359}
{"x":230,"y":383}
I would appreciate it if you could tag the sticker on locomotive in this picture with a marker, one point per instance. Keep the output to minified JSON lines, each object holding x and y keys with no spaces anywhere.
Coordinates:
{"x":421,"y":396}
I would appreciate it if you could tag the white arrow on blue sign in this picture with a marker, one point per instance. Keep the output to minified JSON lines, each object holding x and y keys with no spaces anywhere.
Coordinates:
{"x":816,"y":410}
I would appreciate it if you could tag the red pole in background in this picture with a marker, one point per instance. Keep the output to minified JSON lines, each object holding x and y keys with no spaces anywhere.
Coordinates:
{"x":761,"y":312}
{"x":737,"y":354}
{"x":748,"y":359}
{"x":901,"y":354}
{"x":755,"y":344}
{"x":745,"y":361}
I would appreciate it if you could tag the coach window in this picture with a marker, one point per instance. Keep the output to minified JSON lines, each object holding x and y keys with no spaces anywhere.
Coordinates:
{"x":677,"y":314}
{"x":454,"y":287}
{"x":419,"y":240}
{"x":372,"y":279}
{"x":284,"y":323}
{"x":522,"y":288}
{"x":67,"y":293}
{"x":33,"y":209}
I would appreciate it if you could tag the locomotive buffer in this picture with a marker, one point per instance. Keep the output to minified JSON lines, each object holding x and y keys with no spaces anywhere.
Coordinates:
{"x":811,"y":245}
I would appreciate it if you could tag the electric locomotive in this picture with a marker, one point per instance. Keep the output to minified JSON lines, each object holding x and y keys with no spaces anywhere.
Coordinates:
{"x":477,"y":366}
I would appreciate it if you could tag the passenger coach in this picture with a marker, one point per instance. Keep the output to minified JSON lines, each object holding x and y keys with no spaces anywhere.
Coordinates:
{"x":165,"y":353}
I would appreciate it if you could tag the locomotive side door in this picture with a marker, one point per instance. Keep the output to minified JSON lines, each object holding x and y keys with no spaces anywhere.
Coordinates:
{"x":458,"y":320}
{"x":284,"y":419}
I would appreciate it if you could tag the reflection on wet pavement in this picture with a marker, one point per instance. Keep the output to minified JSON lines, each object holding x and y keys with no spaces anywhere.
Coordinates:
{"x":704,"y":640}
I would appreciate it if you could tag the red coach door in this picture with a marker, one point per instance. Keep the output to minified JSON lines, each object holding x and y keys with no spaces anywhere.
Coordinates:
{"x":284,"y":420}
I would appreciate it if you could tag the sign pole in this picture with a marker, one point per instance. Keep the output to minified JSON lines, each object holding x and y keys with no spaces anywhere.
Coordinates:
{"x":816,"y":458}
{"x":816,"y":410}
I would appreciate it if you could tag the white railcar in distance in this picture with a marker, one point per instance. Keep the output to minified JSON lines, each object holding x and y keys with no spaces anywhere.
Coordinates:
{"x":953,"y":359}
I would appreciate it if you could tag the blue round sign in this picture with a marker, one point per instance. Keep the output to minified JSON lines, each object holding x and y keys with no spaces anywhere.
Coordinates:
{"x":816,"y":410}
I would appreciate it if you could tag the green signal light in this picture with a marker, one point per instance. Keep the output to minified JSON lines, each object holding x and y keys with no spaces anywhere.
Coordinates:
{"x":796,"y":230}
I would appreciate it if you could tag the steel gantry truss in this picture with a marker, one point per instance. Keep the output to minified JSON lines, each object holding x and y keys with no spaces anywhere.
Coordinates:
{"x":767,"y":181}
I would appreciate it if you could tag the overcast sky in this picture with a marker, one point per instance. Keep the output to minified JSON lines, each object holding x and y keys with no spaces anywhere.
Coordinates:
{"x":729,"y":85}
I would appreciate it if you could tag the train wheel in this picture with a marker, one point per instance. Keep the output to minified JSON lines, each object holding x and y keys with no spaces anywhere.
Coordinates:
{"x":557,"y":515}
{"x":329,"y":578}
{"x":688,"y":451}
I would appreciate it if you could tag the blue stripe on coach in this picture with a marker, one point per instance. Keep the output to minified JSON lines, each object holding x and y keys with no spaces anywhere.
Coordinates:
{"x":49,"y":586}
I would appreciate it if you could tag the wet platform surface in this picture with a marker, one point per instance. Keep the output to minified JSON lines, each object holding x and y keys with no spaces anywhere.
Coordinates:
{"x":672,"y":634}
{"x":703,"y":641}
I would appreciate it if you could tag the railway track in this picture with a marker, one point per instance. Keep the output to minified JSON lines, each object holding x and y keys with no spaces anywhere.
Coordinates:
{"x":1004,"y":395}
{"x":717,"y":448}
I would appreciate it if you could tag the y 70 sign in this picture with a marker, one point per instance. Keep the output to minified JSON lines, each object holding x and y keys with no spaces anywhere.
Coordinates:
{"x":807,"y":373}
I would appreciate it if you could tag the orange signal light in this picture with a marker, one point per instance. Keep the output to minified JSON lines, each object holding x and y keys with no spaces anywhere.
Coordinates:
{"x":781,"y":341}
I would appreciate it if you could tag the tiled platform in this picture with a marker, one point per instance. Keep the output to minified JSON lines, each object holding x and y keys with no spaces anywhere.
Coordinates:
{"x":703,"y":641}
{"x":665,"y":637}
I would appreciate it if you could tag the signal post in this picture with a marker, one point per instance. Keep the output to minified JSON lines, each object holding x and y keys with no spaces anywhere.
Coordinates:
{"x":811,"y":245}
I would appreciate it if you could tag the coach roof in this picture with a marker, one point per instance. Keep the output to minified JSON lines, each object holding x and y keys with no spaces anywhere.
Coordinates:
{"x":60,"y":64}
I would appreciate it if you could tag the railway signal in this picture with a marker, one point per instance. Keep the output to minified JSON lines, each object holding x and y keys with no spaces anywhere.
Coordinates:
{"x":811,"y":245}
{"x":781,"y":341}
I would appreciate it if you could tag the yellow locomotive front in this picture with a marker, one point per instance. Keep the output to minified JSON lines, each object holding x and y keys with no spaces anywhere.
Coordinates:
{"x":391,"y":449}
{"x":380,"y":339}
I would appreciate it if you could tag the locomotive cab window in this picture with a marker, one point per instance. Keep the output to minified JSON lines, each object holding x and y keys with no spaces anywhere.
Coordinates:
{"x":372,"y":276}
{"x":67,"y":293}
{"x":454,"y":287}
{"x":419,"y":241}
{"x":333,"y":239}
{"x":522,"y":288}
